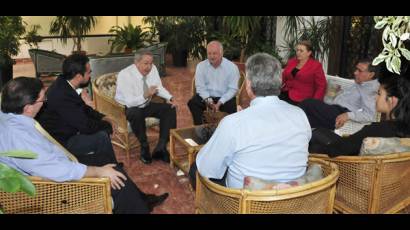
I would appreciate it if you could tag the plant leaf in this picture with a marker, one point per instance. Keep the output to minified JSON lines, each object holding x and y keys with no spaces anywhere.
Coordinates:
{"x":380,"y":24}
{"x":405,"y":36}
{"x":405,"y":53}
{"x":26,"y":185}
{"x":393,"y":39}
{"x":19,"y":154}
{"x":396,"y":63}
{"x":379,"y":59}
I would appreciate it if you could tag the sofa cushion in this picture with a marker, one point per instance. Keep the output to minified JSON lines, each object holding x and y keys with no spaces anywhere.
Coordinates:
{"x":313,"y":173}
{"x":333,"y":89}
{"x":383,"y":145}
{"x":107,"y":84}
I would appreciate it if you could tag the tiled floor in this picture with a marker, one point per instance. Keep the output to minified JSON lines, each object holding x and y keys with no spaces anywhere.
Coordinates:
{"x":157,"y":177}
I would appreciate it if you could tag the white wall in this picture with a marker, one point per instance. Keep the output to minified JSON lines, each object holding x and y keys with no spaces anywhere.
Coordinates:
{"x":93,"y":45}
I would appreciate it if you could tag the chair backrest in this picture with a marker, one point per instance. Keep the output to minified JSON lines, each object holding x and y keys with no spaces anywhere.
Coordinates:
{"x":88,"y":195}
{"x":46,"y":62}
{"x":104,"y":88}
{"x":372,"y":184}
{"x":314,"y":197}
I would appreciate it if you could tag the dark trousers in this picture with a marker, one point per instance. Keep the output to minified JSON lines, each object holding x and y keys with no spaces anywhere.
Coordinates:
{"x":96,"y":150}
{"x":192,"y":177}
{"x":93,"y":149}
{"x":284,"y":96}
{"x":320,"y":114}
{"x":167,"y":115}
{"x":197,"y":106}
{"x":129,"y":199}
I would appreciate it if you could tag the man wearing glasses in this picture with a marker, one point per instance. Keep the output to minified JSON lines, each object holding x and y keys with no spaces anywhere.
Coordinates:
{"x":355,"y":103}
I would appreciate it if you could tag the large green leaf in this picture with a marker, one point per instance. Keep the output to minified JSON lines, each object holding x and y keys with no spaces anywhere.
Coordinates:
{"x":12,"y":180}
{"x":19,"y":154}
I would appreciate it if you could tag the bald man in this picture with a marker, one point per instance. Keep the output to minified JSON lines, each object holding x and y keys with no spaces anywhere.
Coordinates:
{"x":216,"y":83}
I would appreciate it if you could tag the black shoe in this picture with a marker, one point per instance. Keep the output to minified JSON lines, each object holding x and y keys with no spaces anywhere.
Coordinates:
{"x":153,"y":200}
{"x":161,"y":155}
{"x":145,"y":155}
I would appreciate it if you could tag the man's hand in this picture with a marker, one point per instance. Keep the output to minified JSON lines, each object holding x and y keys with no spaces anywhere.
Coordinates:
{"x":172,"y":103}
{"x":86,"y":98}
{"x":116,"y":177}
{"x":151,"y":91}
{"x":341,"y":120}
{"x":239,"y":108}
{"x":217,"y":105}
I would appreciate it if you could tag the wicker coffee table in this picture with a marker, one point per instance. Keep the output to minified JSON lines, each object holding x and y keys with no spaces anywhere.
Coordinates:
{"x":191,"y":142}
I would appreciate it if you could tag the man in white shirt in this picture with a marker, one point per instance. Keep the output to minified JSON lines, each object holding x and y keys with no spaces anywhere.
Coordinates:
{"x":268,"y":140}
{"x":216,"y":83}
{"x":136,"y":85}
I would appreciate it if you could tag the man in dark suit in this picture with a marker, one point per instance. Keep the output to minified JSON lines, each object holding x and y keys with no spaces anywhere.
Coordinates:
{"x":78,"y":127}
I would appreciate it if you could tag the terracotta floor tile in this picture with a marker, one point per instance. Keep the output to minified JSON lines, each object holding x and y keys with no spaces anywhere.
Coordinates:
{"x":157,"y":177}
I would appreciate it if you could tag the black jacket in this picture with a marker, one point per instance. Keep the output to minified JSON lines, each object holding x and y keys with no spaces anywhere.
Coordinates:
{"x":65,"y":114}
{"x":327,"y":142}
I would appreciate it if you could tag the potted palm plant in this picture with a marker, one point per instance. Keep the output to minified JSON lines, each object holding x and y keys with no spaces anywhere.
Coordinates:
{"x":11,"y":29}
{"x":32,"y":38}
{"x":129,"y":37}
{"x":185,"y":36}
{"x":73,"y":26}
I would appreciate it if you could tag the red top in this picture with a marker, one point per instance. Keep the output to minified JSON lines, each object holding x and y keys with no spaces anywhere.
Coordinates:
{"x":309,"y":82}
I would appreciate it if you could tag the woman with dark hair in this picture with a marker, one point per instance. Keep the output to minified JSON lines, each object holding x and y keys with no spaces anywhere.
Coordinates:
{"x":303,"y":76}
{"x":393,"y":100}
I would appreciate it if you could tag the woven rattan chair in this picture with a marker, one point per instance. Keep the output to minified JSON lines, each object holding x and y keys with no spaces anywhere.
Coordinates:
{"x":314,"y":197}
{"x":88,"y":195}
{"x":105,"y":103}
{"x":372,"y":184}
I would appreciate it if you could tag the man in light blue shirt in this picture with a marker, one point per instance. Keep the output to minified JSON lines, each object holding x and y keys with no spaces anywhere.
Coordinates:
{"x":268,"y":140}
{"x":21,"y":99}
{"x":216,"y":83}
{"x":356,"y":103}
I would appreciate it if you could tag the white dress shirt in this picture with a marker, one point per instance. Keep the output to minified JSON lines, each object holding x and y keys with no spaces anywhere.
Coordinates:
{"x":360,"y":100}
{"x":268,"y":140}
{"x":221,"y":81}
{"x":130,"y":90}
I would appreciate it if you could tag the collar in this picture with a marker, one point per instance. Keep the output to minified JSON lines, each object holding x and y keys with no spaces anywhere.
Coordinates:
{"x":220,"y":65}
{"x":262,"y":100}
{"x":71,"y":84}
{"x":20,"y":118}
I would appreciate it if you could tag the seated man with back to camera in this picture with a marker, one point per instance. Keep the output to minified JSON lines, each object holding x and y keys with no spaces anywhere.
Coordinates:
{"x":136,"y":85}
{"x":21,"y":99}
{"x":356,"y":103}
{"x":268,"y":140}
{"x":216,"y":83}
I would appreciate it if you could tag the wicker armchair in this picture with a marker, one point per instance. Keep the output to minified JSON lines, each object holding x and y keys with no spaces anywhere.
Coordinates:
{"x":46,"y":62}
{"x":372,"y":184}
{"x":89,"y":195}
{"x":104,"y":88}
{"x":314,"y":197}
